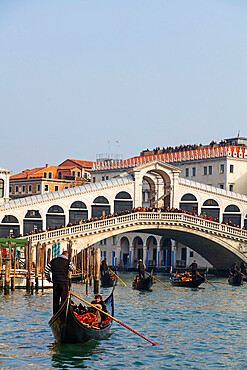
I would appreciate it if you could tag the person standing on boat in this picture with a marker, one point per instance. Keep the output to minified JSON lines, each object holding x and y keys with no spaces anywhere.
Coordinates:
{"x":193,"y":267}
{"x":59,"y":267}
{"x":104,"y":267}
{"x":141,"y":269}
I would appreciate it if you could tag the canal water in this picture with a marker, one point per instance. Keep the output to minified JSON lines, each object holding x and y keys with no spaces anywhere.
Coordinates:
{"x":195,"y":329}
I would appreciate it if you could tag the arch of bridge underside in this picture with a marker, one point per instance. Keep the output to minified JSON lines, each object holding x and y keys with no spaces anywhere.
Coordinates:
{"x":220,"y":253}
{"x":217,"y":250}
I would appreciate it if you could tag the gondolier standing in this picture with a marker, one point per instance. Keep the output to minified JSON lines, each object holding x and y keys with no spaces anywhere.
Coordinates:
{"x":59,"y":267}
{"x":141,"y":269}
{"x":193,"y":269}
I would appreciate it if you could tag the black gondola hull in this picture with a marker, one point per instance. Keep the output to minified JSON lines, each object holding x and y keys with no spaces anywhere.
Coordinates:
{"x":236,"y":279}
{"x":187,"y":284}
{"x":108,"y":280}
{"x":144,"y":284}
{"x":67,"y":328}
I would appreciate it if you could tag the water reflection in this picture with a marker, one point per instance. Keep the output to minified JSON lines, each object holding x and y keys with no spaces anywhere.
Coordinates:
{"x":72,"y":355}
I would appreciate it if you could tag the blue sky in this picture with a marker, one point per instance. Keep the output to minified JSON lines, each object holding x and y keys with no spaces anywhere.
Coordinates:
{"x":75,"y":74}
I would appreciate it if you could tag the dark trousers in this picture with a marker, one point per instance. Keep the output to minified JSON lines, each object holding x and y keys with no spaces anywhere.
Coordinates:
{"x":60,"y":293}
{"x":141,"y":275}
{"x":194,"y":273}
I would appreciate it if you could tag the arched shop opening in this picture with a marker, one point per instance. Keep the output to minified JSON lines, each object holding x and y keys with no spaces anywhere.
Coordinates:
{"x":100,"y":207}
{"x":123,"y":202}
{"x":32,"y":222}
{"x":78,"y":211}
{"x":55,"y":217}
{"x":189,"y":203}
{"x":9,"y":227}
{"x":166,"y":252}
{"x":138,"y":249}
{"x":211,"y":208}
{"x":232,"y":215}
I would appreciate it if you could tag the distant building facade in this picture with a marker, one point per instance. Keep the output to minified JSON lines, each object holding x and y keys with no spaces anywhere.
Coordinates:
{"x":4,"y":185}
{"x":69,"y":173}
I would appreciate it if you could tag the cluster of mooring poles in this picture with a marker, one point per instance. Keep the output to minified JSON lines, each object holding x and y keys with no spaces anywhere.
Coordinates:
{"x":87,"y":263}
{"x":31,"y":267}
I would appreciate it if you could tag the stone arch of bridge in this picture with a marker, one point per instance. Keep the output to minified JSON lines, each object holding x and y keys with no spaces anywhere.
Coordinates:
{"x":215,"y":249}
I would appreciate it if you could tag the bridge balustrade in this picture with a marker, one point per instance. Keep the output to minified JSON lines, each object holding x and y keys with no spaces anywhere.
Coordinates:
{"x":101,"y":225}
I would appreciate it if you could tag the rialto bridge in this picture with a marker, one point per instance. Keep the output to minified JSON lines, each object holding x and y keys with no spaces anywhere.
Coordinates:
{"x":220,"y":244}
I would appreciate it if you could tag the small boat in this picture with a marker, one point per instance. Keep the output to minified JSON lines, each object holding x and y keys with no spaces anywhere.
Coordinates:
{"x":236,"y":279}
{"x":186,"y":282}
{"x":143,"y":284}
{"x":108,"y":280}
{"x":75,"y":278}
{"x":67,"y":328}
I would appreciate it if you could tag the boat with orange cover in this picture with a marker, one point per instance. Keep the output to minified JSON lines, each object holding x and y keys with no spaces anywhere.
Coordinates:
{"x":70,"y":327}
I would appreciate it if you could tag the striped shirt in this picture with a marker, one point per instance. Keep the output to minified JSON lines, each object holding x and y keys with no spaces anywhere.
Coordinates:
{"x":48,"y":268}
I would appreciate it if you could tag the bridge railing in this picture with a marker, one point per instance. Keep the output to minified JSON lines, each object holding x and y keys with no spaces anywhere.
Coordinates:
{"x":102,"y":225}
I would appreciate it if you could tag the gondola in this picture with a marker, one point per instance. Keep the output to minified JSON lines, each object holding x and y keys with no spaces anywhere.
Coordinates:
{"x":236,"y":279}
{"x":108,"y":280}
{"x":186,"y":282}
{"x":67,"y":328}
{"x":143,"y":284}
{"x":75,"y":278}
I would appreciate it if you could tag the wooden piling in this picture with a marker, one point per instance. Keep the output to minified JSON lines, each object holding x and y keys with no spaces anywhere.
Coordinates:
{"x":87,"y":269}
{"x":42,"y":262}
{"x":10,"y":253}
{"x":7,"y":276}
{"x":13,"y":285}
{"x":93,"y":263}
{"x":37,"y":266}
{"x":90,"y":267}
{"x":29,"y":265}
{"x":97,"y":271}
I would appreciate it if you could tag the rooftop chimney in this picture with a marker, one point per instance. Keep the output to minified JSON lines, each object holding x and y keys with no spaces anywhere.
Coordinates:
{"x":46,"y":165}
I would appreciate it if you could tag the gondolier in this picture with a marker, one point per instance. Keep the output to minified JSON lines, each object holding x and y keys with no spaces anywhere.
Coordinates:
{"x":141,"y":269}
{"x":59,"y":267}
{"x":194,"y":269}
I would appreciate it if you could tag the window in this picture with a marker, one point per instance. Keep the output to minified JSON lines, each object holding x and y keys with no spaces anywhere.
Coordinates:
{"x":222,"y":169}
{"x":94,"y":179}
{"x":23,"y":188}
{"x":231,"y":187}
{"x":38,"y":188}
{"x":46,"y":187}
{"x":221,"y":186}
{"x":193,"y":171}
{"x":45,"y":175}
{"x":16,"y":189}
{"x":186,"y":172}
{"x":56,"y":187}
{"x":106,"y":177}
{"x":1,"y":188}
{"x":10,"y":189}
{"x":210,"y":170}
{"x":205,"y":170}
{"x":73,"y":173}
{"x":59,"y":175}
{"x":50,"y":175}
{"x":191,"y":254}
{"x":231,"y":168}
{"x":103,"y":178}
{"x":30,"y":188}
{"x":66,"y":187}
{"x":78,"y":174}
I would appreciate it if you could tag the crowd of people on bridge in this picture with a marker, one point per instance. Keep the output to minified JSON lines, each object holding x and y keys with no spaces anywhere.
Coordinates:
{"x":182,"y":148}
{"x":164,"y":209}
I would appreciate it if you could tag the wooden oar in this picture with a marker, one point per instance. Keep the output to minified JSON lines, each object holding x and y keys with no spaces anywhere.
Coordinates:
{"x":159,"y":281}
{"x":117,"y":277}
{"x":113,"y":318}
{"x":206,"y":280}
